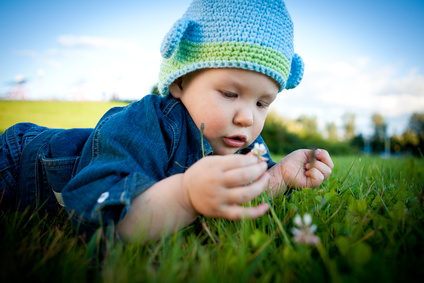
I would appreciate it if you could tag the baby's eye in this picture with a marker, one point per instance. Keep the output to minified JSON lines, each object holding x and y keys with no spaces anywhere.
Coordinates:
{"x":229,"y":94}
{"x":262,"y":104}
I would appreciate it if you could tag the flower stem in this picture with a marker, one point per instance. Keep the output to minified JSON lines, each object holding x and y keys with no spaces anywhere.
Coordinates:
{"x":202,"y":129}
{"x":280,"y":226}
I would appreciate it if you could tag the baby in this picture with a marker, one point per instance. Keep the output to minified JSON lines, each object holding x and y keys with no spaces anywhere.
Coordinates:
{"x":157,"y":164}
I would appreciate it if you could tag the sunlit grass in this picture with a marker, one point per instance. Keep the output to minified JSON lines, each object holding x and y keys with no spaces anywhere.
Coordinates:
{"x":369,"y":217}
{"x":54,"y":114}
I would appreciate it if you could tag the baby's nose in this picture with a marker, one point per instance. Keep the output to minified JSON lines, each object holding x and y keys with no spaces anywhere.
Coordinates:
{"x":244,"y":117}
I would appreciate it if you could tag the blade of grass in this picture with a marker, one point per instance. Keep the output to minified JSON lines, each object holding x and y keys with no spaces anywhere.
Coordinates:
{"x":280,"y":226}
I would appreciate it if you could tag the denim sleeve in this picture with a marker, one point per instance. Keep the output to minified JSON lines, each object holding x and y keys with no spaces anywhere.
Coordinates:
{"x":125,"y":155}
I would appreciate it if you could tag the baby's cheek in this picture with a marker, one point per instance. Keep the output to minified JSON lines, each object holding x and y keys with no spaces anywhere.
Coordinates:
{"x":256,"y":130}
{"x":217,"y":125}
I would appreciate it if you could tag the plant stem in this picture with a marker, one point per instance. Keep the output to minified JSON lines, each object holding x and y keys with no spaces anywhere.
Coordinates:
{"x":280,"y":226}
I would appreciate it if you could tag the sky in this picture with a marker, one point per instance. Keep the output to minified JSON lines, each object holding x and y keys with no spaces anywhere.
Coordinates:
{"x":361,"y":57}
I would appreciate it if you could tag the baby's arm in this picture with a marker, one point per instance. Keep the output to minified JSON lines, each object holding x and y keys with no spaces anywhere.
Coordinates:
{"x":300,"y":169}
{"x":214,"y":187}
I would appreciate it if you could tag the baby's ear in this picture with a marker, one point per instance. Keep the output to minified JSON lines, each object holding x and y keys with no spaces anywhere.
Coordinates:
{"x":175,"y":89}
{"x":296,"y":71}
{"x":173,"y":37}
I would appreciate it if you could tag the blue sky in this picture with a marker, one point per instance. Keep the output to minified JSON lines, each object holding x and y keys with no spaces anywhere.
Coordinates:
{"x":360,"y":56}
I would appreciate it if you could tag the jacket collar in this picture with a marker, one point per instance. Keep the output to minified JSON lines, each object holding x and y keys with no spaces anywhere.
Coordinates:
{"x":196,"y":141}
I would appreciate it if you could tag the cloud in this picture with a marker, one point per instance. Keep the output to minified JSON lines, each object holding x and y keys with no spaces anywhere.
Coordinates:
{"x":330,"y":89}
{"x":366,"y":87}
{"x":72,"y":41}
{"x":26,"y":53}
{"x":62,"y":52}
{"x":54,"y":64}
{"x":73,"y":45}
{"x":412,"y":84}
{"x":107,"y":65}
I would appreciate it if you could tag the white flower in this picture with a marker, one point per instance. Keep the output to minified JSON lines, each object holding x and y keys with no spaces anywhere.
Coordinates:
{"x":304,"y":233}
{"x":307,"y":219}
{"x":259,"y":150}
{"x":298,"y":220}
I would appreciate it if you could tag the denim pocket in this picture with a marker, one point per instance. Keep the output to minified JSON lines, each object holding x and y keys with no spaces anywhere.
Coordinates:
{"x":59,"y":171}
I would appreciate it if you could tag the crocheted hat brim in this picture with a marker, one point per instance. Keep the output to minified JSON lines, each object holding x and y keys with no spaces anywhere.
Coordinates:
{"x":191,"y":56}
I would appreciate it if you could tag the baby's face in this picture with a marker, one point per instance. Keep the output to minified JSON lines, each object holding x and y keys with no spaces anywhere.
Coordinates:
{"x":231,"y":103}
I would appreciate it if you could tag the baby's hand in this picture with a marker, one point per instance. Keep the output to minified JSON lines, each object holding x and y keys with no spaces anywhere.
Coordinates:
{"x":302,"y":168}
{"x":217,"y":185}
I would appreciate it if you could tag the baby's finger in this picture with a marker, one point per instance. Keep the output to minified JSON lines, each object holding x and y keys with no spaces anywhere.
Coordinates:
{"x":323,"y":156}
{"x":315,"y":176}
{"x":244,"y":194}
{"x":236,"y":212}
{"x":244,"y":175}
{"x":322,"y":167}
{"x":229,"y":162}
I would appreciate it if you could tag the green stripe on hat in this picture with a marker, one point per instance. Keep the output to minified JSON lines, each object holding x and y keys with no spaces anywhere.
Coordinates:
{"x":191,"y":56}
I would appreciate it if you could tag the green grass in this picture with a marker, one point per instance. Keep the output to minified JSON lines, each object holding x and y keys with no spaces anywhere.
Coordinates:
{"x":54,"y":114}
{"x":369,"y":217}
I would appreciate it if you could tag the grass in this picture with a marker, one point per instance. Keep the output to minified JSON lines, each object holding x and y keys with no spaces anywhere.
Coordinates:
{"x":54,"y":114}
{"x":369,"y":217}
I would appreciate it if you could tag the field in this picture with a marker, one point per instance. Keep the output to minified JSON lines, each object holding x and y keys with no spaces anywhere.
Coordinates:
{"x":369,"y":217}
{"x":53,"y":114}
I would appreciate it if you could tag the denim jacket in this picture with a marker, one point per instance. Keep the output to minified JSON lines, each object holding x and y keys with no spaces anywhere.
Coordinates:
{"x":130,"y":149}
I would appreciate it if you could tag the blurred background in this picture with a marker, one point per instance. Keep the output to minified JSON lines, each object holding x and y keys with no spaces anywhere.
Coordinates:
{"x":363,"y":87}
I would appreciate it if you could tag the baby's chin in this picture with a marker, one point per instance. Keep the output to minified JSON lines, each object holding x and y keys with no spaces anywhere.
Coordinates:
{"x":225,"y":151}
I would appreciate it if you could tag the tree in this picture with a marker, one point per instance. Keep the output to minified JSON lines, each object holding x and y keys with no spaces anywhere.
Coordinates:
{"x":309,"y":127}
{"x":358,"y":143}
{"x":349,"y":125}
{"x":332,"y":132}
{"x":278,"y":139}
{"x":416,"y":123}
{"x":414,"y":135}
{"x":379,"y":137}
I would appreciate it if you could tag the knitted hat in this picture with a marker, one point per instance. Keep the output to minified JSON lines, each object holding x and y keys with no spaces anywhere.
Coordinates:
{"x":254,"y":35}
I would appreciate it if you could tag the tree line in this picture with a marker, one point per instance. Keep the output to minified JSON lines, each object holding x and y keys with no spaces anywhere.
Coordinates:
{"x":283,"y":136}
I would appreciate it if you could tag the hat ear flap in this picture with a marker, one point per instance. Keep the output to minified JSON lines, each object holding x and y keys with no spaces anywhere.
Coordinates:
{"x":174,"y":36}
{"x":296,"y":72}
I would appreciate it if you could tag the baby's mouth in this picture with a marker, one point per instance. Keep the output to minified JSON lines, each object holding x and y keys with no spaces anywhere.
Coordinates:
{"x":235,"y":141}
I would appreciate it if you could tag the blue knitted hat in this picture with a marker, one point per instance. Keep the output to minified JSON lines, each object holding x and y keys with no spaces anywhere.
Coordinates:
{"x":254,"y":35}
